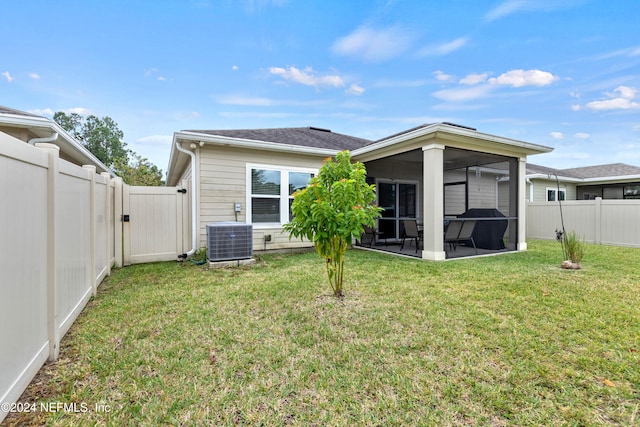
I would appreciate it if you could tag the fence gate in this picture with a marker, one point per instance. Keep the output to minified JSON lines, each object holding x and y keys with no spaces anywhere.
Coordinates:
{"x":152,"y":223}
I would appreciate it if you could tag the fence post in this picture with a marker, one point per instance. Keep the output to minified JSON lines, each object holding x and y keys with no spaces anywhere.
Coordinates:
{"x":52,"y":315}
{"x":107,"y":220}
{"x":598,"y":220}
{"x":117,"y":219}
{"x":126,"y":229}
{"x":92,"y":232}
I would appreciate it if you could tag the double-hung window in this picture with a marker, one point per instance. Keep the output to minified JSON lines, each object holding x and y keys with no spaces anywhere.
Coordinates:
{"x":270,"y":192}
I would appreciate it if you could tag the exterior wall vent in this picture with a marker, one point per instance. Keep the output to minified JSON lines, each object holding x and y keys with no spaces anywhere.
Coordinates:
{"x":228,"y":241}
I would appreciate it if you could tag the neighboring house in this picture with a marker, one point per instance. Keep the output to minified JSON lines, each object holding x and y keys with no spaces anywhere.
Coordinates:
{"x":610,"y":181}
{"x":33,"y":129}
{"x":428,"y":173}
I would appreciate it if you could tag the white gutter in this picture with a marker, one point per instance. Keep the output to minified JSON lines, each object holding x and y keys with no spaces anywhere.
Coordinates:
{"x":194,"y":213}
{"x":252,"y":143}
{"x":51,"y":138}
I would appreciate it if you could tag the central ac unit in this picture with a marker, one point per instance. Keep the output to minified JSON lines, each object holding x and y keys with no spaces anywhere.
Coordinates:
{"x":228,"y":241}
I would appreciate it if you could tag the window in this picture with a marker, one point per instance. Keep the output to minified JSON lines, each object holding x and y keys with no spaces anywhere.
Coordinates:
{"x":271,"y":192}
{"x":632,"y":191}
{"x":552,"y":192}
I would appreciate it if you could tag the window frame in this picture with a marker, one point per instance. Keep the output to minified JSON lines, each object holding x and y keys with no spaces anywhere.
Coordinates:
{"x":555,"y":191}
{"x":284,"y":197}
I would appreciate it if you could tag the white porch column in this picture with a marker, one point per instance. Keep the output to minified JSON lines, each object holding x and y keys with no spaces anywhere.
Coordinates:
{"x":433,"y":199}
{"x":518,"y":204}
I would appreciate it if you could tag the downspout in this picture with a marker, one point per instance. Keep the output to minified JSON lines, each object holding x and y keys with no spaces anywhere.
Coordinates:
{"x":51,"y":138}
{"x":194,"y":213}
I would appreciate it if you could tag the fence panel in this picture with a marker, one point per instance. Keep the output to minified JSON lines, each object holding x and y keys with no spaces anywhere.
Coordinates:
{"x":611,"y":222}
{"x":101,"y":228}
{"x":23,"y":266}
{"x":621,"y":222}
{"x":73,"y":243}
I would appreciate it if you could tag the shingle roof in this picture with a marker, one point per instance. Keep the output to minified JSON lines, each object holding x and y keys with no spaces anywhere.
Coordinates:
{"x":537,"y":169}
{"x":306,"y":137}
{"x":598,"y":171}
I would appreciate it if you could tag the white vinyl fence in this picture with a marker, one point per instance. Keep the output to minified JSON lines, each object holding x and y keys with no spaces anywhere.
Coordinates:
{"x":62,"y":227}
{"x":56,"y":245}
{"x":607,"y":222}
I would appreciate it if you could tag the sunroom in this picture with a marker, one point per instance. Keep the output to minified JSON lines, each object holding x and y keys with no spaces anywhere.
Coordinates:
{"x":463,"y":190}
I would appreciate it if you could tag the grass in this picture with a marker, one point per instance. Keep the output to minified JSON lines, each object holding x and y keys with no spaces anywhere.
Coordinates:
{"x":501,"y":341}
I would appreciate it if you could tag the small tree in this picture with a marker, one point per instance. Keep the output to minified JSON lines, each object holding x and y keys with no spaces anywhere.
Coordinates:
{"x":333,"y":210}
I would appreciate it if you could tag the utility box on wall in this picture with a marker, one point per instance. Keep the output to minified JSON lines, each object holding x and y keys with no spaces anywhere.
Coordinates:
{"x":229,"y":240}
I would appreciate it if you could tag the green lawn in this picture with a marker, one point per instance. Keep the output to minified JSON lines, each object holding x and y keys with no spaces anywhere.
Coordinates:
{"x":505,"y":340}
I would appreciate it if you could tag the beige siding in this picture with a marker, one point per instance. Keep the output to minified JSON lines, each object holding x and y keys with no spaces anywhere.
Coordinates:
{"x":540,"y":187}
{"x":223,"y":173}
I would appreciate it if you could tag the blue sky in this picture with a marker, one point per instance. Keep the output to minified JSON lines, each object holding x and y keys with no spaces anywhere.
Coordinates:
{"x":562,"y":73}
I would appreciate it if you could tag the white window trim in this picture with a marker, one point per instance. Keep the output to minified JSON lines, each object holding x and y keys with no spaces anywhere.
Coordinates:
{"x":284,"y":192}
{"x":555,"y":190}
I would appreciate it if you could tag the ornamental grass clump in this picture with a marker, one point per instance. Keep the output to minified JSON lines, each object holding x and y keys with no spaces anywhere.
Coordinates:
{"x":333,"y":210}
{"x":574,"y":247}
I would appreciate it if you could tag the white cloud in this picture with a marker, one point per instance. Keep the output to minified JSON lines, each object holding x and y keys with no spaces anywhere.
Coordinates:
{"x":355,"y":89}
{"x":614,"y":104}
{"x":440,"y":76}
{"x":520,"y":78}
{"x":374,"y":45}
{"x":510,"y":7}
{"x":630,"y":51}
{"x":7,"y":76}
{"x":234,"y":68}
{"x":34,"y":76}
{"x":400,"y":83}
{"x":582,"y":135}
{"x":233,"y":99}
{"x":474,"y":79}
{"x":463,"y":94}
{"x":161,"y":79}
{"x":622,"y":98}
{"x":556,"y":135}
{"x":155,"y":139}
{"x":245,"y":100}
{"x":79,"y":110}
{"x":307,"y":77}
{"x":576,"y":107}
{"x":150,"y":71}
{"x":42,"y":112}
{"x":443,"y":48}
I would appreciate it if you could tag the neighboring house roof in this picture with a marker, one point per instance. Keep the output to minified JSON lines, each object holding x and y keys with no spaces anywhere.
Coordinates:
{"x":601,"y":171}
{"x":42,"y":127}
{"x":305,"y":137}
{"x":590,"y":174}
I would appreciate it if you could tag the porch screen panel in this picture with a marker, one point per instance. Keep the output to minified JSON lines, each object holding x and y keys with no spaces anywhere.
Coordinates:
{"x":387,"y":201}
{"x":407,"y":200}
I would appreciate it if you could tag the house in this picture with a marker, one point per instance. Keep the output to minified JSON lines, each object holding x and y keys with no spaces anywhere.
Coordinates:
{"x":610,"y":181}
{"x":33,"y":129}
{"x":429,"y":173}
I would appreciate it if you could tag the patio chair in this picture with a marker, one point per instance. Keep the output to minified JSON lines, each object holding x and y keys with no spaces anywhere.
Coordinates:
{"x":460,"y":232}
{"x":411,"y":232}
{"x":373,"y":235}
